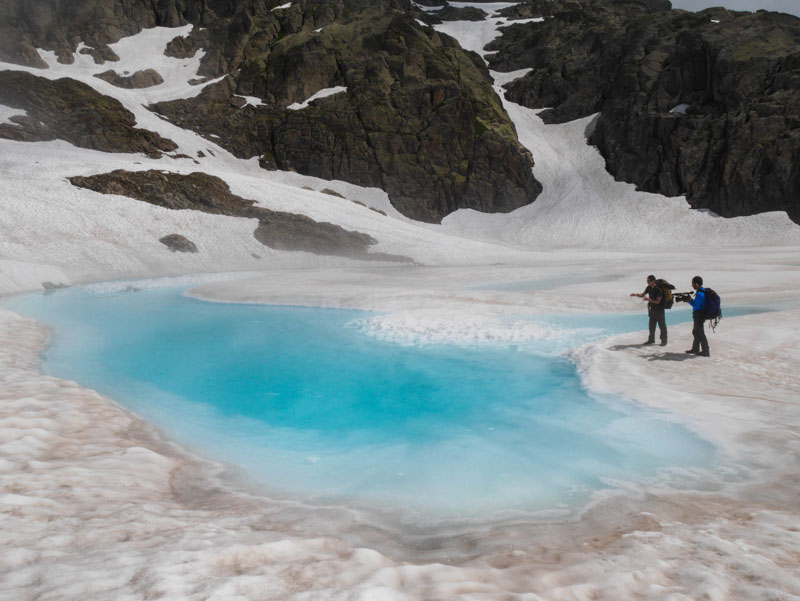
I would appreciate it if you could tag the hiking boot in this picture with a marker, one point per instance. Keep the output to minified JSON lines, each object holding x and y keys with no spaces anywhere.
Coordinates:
{"x":703,"y":354}
{"x":691,"y":351}
{"x":663,"y":343}
{"x":649,"y":342}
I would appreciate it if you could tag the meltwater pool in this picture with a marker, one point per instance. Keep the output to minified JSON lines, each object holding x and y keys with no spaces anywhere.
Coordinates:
{"x":312,"y":406}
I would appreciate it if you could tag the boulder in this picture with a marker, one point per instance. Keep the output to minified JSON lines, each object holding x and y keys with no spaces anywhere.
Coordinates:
{"x":178,"y":243}
{"x":146,"y":78}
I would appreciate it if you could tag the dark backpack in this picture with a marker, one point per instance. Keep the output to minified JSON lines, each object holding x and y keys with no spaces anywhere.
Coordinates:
{"x":713,"y":308}
{"x":666,"y":289}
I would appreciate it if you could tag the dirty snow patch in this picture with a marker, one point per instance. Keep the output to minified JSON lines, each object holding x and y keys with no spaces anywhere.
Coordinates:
{"x":321,"y":94}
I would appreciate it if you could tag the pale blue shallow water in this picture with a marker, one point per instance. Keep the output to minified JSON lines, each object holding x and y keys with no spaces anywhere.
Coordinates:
{"x":313,"y":408}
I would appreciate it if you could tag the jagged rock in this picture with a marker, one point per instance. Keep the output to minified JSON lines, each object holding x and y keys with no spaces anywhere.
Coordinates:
{"x":461,"y":13}
{"x":67,"y":109}
{"x":100,"y":54}
{"x":178,"y":243}
{"x":687,"y":105}
{"x":201,"y":192}
{"x":419,"y":118}
{"x":141,"y":79}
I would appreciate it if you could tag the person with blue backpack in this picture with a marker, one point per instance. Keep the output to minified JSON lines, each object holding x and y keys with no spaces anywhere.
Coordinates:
{"x":705,"y":305}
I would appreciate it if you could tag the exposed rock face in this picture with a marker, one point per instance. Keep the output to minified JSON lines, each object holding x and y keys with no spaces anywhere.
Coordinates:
{"x":703,"y":104}
{"x":419,"y":118}
{"x":201,"y":192}
{"x":178,"y":243}
{"x":146,"y":78}
{"x":68,"y":110}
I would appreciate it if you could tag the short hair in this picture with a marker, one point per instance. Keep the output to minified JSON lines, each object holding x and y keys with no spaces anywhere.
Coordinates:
{"x":651,"y":278}
{"x":697,"y":280}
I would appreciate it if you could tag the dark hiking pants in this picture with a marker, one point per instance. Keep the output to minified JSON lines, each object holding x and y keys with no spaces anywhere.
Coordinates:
{"x":699,"y":342}
{"x":658,"y":317}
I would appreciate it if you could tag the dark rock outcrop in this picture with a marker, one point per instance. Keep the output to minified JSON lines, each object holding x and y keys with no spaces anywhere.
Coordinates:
{"x":66,"y":109}
{"x":209,"y":194}
{"x":146,"y":78}
{"x":704,"y":104}
{"x":419,"y":118}
{"x":178,"y":243}
{"x":460,"y":13}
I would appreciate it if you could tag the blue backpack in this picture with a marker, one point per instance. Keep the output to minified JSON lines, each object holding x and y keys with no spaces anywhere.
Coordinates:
{"x":713,"y":308}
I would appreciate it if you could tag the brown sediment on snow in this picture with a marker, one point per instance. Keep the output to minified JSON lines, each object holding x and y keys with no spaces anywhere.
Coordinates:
{"x":74,"y":462}
{"x":210,"y":194}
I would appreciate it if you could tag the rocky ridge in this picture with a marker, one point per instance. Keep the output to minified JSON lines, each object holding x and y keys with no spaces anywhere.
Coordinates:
{"x":704,"y":104}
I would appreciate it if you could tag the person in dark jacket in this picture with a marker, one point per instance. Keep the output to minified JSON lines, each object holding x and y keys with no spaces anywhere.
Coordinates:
{"x":698,"y":303}
{"x":655,"y":309}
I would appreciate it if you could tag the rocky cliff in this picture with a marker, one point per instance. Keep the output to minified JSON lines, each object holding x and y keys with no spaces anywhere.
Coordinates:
{"x":704,"y":104}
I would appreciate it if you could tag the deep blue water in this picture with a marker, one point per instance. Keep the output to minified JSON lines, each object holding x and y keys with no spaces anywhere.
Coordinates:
{"x":314,"y":408}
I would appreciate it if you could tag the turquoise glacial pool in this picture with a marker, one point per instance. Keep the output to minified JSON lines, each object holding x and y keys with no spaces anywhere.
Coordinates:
{"x":312,"y":407}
